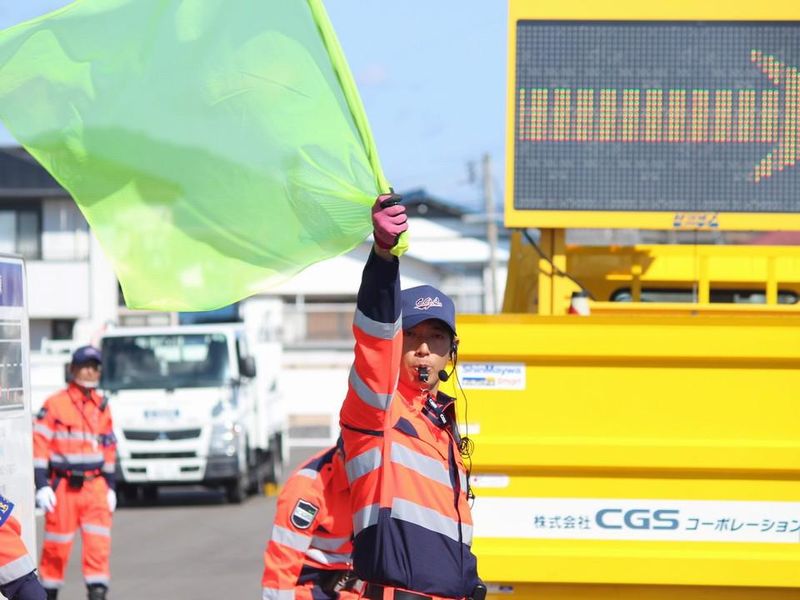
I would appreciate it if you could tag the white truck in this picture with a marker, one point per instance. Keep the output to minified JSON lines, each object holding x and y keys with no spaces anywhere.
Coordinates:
{"x":194,"y":405}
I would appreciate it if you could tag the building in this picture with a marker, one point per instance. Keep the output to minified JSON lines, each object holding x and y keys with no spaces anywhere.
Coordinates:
{"x":71,"y":288}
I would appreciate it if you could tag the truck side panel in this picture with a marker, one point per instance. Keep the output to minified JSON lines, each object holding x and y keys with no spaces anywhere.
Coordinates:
{"x":649,"y":452}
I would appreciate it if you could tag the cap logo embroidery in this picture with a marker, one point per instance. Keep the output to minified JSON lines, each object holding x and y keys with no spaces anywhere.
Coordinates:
{"x":426,"y":303}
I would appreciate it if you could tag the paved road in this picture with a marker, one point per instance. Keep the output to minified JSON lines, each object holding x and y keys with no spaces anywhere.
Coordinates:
{"x":191,"y":545}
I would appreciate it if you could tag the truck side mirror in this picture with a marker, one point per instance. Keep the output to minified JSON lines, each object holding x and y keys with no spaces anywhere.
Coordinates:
{"x":247,"y":366}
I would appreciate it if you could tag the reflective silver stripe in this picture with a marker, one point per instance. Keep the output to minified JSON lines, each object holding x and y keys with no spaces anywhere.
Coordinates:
{"x":376,"y":329}
{"x":59,"y":538}
{"x":41,"y":463}
{"x":273,"y":594}
{"x":89,"y":457}
{"x":380,"y":401}
{"x":108,"y":467}
{"x":327,"y":558}
{"x":363,"y":463}
{"x":104,"y":579}
{"x":365,"y":517}
{"x":51,"y":584}
{"x":430,"y":519}
{"x":43,"y":430}
{"x":97,"y":529}
{"x":75,"y":435}
{"x":424,"y":465}
{"x":462,"y":478}
{"x":328,"y":543}
{"x":287,"y":537}
{"x":310,"y":473}
{"x":16,"y":569}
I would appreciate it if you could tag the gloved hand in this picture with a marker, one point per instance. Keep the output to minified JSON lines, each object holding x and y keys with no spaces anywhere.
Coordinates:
{"x":388,"y":223}
{"x":111,"y":498}
{"x":46,"y":498}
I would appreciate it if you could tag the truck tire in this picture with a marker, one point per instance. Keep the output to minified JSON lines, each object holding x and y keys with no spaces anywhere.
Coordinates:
{"x":274,"y":472}
{"x":150,"y":494}
{"x":236,"y":489}
{"x":128,"y":494}
{"x":257,"y":468}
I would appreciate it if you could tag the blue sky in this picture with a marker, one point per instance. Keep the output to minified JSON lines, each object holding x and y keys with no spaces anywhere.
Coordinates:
{"x":431,"y":75}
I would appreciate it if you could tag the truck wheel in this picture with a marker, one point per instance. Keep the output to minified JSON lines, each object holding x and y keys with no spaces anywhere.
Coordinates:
{"x":150,"y":494}
{"x":256,"y":486}
{"x":236,"y":490}
{"x":127,"y":493}
{"x":275,"y":462}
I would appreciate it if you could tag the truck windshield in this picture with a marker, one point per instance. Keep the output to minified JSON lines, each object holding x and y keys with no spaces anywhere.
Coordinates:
{"x":165,"y":361}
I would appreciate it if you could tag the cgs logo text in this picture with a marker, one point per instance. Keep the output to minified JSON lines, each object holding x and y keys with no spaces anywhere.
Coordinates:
{"x":637,"y":518}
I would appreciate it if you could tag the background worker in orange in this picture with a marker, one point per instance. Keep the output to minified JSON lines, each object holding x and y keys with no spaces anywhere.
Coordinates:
{"x":17,"y":569}
{"x":308,"y":555}
{"x":408,"y":484}
{"x":74,"y":454}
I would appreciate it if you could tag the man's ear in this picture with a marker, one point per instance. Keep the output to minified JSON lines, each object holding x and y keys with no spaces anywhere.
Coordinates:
{"x":454,"y":347}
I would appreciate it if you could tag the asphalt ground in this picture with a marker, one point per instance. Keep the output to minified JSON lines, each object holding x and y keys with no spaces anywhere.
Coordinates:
{"x":190,"y":544}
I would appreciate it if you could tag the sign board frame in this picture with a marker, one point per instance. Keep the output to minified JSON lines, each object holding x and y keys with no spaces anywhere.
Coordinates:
{"x":16,"y":423}
{"x":588,"y":11}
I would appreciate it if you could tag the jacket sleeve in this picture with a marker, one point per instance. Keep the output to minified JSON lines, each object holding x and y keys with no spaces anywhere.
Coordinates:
{"x":43,"y":432}
{"x":108,"y":442}
{"x":16,"y":565}
{"x":379,"y":344}
{"x":292,"y":531}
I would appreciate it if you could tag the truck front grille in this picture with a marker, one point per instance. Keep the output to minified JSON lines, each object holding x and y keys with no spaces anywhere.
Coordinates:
{"x":143,"y":435}
{"x":163,"y":454}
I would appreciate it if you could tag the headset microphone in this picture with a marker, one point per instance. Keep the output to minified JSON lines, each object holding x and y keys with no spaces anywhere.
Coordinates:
{"x":443,"y":375}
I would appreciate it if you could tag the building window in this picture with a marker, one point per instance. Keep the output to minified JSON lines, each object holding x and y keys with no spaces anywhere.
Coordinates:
{"x":61,"y":329}
{"x":20,"y":232}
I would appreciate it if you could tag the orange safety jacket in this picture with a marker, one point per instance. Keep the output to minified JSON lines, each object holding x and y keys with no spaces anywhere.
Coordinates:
{"x":15,"y":562}
{"x":73,"y":433}
{"x":408,"y":484}
{"x":311,"y":544}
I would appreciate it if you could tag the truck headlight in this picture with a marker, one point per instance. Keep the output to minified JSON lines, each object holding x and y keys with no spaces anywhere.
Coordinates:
{"x":225,"y":439}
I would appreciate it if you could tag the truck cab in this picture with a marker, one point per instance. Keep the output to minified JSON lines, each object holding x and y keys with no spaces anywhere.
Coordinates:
{"x":190,"y":409}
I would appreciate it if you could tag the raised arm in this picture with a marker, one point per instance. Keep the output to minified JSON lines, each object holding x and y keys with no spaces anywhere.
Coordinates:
{"x":377,"y":325}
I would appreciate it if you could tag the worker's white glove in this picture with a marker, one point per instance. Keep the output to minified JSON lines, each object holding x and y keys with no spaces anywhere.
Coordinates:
{"x":46,"y":498}
{"x":111,"y":497}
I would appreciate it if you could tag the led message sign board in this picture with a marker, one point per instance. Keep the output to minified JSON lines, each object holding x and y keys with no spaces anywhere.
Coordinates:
{"x":654,"y":122}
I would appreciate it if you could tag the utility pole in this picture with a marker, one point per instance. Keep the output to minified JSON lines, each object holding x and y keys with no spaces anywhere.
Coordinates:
{"x":491,"y":231}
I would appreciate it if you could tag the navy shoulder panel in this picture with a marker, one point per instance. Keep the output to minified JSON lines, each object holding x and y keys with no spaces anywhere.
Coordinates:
{"x":6,"y":506}
{"x":318,"y":462}
{"x":406,"y":427}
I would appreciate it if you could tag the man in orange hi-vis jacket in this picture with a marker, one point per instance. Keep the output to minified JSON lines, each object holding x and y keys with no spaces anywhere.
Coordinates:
{"x":74,"y":454}
{"x":308,"y":556}
{"x":17,"y":575}
{"x":408,"y":484}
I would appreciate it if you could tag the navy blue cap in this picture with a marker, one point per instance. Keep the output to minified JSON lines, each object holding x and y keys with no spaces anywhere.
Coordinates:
{"x":86,"y":354}
{"x":426,"y":302}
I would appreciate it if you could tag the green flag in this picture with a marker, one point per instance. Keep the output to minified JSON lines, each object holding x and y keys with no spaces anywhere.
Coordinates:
{"x":215,"y":147}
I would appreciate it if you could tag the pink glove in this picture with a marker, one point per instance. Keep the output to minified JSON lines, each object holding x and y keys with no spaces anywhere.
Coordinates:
{"x":388,"y":222}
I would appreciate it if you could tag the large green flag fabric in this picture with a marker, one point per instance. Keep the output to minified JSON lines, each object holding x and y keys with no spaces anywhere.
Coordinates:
{"x":214,"y":146}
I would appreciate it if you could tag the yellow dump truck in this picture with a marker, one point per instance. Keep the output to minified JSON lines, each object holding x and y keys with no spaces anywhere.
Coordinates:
{"x":651,"y":449}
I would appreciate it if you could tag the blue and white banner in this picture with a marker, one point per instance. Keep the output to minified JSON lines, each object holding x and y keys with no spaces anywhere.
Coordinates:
{"x":629,"y":519}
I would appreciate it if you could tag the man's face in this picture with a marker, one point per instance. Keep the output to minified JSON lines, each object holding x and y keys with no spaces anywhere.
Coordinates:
{"x":87,"y":372}
{"x":427,"y":344}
